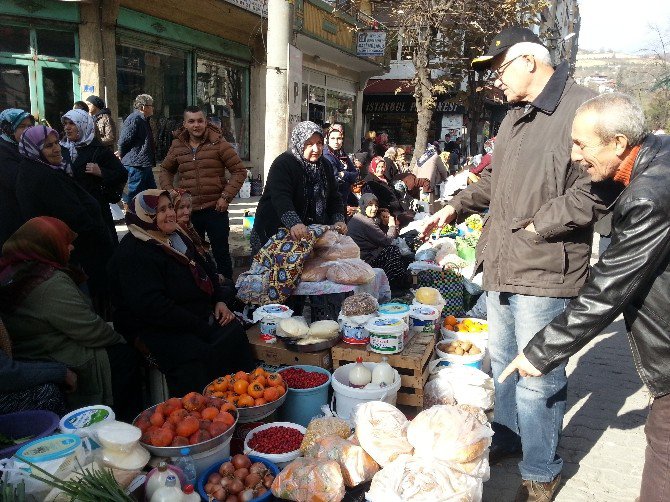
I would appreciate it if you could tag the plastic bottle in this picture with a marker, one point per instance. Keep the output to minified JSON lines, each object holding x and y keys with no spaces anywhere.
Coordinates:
{"x":185,"y":463}
{"x":382,"y":374}
{"x":359,"y":375}
{"x":157,"y":480}
{"x":169,"y":492}
{"x":190,"y":495}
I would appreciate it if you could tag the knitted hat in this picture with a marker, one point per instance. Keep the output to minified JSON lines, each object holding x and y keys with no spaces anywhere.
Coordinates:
{"x":96,"y":101}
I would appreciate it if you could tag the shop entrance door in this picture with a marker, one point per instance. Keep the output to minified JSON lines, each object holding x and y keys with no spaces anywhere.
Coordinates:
{"x":57,"y":94}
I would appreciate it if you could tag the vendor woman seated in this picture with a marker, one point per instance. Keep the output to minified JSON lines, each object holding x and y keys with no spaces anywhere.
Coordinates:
{"x":169,"y":298}
{"x":377,"y":247}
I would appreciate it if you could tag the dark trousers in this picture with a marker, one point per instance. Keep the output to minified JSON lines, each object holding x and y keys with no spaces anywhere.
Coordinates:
{"x":656,"y":472}
{"x":125,"y":362}
{"x":217,"y":227}
{"x":139,"y":179}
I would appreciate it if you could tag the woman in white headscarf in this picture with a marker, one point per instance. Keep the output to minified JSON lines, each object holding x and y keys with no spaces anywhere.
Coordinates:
{"x":93,"y":165}
{"x":301,"y":190}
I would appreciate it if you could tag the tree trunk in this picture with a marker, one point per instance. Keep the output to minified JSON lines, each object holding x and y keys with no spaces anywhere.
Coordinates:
{"x":424,"y":111}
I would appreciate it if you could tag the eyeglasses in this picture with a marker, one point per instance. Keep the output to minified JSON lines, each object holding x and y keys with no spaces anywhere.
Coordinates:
{"x":497,"y":74}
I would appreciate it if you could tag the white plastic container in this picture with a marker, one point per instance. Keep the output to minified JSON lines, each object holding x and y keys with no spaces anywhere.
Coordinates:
{"x":347,"y":397}
{"x":59,"y":455}
{"x":423,"y":319}
{"x":359,"y":375}
{"x":397,"y":311}
{"x":170,"y":492}
{"x":353,"y":329}
{"x":476,"y":361}
{"x":281,"y":460}
{"x":120,"y":446}
{"x":386,"y":334}
{"x":85,"y":421}
{"x":157,"y":477}
{"x":269,"y":316}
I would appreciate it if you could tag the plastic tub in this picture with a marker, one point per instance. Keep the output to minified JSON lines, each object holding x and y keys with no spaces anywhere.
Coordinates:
{"x":35,"y":424}
{"x":302,"y":405}
{"x":202,"y":478}
{"x":397,"y":311}
{"x":483,"y":334}
{"x":269,"y":316}
{"x":353,"y":329}
{"x":84,"y":422}
{"x":476,"y":361}
{"x":423,"y":319}
{"x":347,"y":397}
{"x":279,"y":459}
{"x":386,"y":334}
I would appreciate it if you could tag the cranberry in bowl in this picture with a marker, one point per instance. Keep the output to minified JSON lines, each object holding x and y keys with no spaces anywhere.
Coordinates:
{"x":277,"y":442}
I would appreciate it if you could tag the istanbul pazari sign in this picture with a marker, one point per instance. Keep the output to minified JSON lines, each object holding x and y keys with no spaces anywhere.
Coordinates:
{"x":371,"y":43}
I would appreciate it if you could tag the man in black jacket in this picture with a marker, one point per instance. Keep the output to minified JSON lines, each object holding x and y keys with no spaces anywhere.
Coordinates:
{"x":633,"y":274}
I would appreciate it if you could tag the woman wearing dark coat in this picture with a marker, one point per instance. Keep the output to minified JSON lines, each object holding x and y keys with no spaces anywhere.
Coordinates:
{"x":94,"y":166}
{"x":375,"y":183}
{"x":45,"y":187}
{"x":168,"y":297}
{"x":301,"y":190}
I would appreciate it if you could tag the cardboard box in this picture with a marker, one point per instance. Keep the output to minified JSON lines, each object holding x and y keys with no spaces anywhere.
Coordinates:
{"x":276,"y":354}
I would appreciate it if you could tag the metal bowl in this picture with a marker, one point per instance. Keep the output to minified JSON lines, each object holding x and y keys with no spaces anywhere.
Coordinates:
{"x":292,"y":344}
{"x":255,"y":413}
{"x":175,"y":451}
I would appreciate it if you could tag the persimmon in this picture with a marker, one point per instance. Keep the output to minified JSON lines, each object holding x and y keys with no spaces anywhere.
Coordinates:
{"x":224,"y":417}
{"x":193,"y":401}
{"x":205,"y":424}
{"x":217,"y":428}
{"x":233,"y":399}
{"x":245,"y":400}
{"x":281,"y":389}
{"x":143,"y":423}
{"x":260,"y":379}
{"x":450,"y":320}
{"x":220,"y":384}
{"x":274,"y":379}
{"x":177,"y":416}
{"x":259,"y":401}
{"x":162,"y":437}
{"x":240,"y":387}
{"x":218,"y":394}
{"x":255,"y":390}
{"x":195,"y":414}
{"x":271,"y":394}
{"x":168,"y":425}
{"x":209,"y":413}
{"x":226,"y":406}
{"x":241,"y":375}
{"x":199,"y":436}
{"x":179,"y":441}
{"x":258,"y":372}
{"x":160,"y":408}
{"x":157,"y":419}
{"x":188,"y":426}
{"x":172,"y":404}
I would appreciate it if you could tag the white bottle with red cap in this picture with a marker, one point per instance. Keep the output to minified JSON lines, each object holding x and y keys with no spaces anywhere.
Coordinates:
{"x":359,"y":375}
{"x":190,"y":494}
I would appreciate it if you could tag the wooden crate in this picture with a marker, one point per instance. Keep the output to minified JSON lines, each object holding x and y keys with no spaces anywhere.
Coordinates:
{"x":276,"y":354}
{"x":411,"y":363}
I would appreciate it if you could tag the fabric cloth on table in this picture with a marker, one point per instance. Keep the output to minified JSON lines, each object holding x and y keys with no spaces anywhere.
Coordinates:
{"x":450,"y":285}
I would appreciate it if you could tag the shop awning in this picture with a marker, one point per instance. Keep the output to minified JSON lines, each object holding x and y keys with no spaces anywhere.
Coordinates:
{"x":326,"y":52}
{"x":388,"y":86}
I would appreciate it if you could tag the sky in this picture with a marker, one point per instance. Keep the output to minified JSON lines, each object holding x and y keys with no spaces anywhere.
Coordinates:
{"x":622,"y":25}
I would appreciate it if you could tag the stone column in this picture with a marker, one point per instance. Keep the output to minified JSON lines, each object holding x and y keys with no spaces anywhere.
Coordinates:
{"x":276,"y":90}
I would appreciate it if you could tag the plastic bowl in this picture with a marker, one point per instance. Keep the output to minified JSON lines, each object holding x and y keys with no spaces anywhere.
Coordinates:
{"x":35,"y":424}
{"x":202,"y":479}
{"x":175,"y":451}
{"x":469,"y":335}
{"x":281,"y":459}
{"x":255,"y":413}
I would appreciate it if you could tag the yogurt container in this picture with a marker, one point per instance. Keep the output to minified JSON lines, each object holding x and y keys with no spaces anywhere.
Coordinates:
{"x":84,"y":422}
{"x":269,"y":316}
{"x":386,"y":334}
{"x":353,"y":329}
{"x":423,"y":319}
{"x":397,"y":311}
{"x":120,"y":446}
{"x":59,"y":455}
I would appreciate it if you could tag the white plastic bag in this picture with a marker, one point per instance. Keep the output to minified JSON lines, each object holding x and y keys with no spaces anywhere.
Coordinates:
{"x":381,"y":429}
{"x":458,"y":384}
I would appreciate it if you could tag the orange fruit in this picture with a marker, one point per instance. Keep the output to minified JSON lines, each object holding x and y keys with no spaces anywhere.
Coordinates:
{"x":450,"y":320}
{"x":177,"y":416}
{"x":193,"y":401}
{"x":217,"y":428}
{"x":259,"y":401}
{"x":220,"y":384}
{"x":255,"y":390}
{"x":274,"y":379}
{"x":241,"y":375}
{"x":188,"y":426}
{"x":281,"y":389}
{"x":271,"y":394}
{"x":240,"y":387}
{"x":226,"y":406}
{"x":225,"y":417}
{"x":161,"y":437}
{"x":210,"y":413}
{"x":260,"y":379}
{"x":157,"y":419}
{"x":245,"y":400}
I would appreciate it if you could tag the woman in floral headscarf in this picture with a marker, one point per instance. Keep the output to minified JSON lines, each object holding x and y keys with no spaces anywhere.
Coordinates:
{"x":169,"y":301}
{"x":45,"y":187}
{"x":93,"y":165}
{"x":300,"y":190}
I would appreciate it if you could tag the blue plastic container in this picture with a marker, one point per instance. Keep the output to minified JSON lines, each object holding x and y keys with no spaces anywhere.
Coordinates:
{"x":302,"y":405}
{"x":35,"y":423}
{"x":202,"y":479}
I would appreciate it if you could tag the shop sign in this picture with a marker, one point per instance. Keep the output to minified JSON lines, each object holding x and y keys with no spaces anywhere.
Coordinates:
{"x":404,"y":103}
{"x":294,"y":87}
{"x":371,"y":43}
{"x":259,"y":7}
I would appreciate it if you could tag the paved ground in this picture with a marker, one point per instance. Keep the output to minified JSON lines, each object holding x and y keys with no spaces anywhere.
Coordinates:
{"x":603,"y":438}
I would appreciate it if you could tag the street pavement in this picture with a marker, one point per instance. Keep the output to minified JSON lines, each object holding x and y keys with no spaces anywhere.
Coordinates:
{"x":603,"y":438}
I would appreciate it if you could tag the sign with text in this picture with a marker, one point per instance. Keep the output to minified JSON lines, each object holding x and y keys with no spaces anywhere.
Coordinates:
{"x":256,"y":6}
{"x":405,"y":103}
{"x":371,"y":43}
{"x":294,"y":87}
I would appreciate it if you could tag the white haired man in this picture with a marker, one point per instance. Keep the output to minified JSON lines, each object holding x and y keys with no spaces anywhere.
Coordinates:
{"x":535,"y":244}
{"x":610,"y":142}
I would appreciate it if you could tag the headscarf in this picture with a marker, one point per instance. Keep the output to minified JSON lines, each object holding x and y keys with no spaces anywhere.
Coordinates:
{"x":365,"y":199}
{"x":143,"y":225}
{"x":316,"y":185}
{"x":32,"y":142}
{"x":10,"y":119}
{"x":31,"y":256}
{"x":96,"y":101}
{"x":178,"y":196}
{"x":374,"y":163}
{"x":489,"y":145}
{"x":390,"y":153}
{"x":86,"y":127}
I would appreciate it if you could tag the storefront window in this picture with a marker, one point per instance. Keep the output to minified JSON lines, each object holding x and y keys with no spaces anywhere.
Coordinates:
{"x":221,"y":93}
{"x":161,"y":74}
{"x":55,"y":43}
{"x":14,"y":90}
{"x":14,"y":39}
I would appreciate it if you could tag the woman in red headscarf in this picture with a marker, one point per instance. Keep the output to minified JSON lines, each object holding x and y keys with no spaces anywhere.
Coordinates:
{"x":49,"y":318}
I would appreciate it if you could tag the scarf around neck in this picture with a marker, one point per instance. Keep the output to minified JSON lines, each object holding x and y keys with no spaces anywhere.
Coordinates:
{"x":625,"y":170}
{"x":32,"y":142}
{"x":85,"y":126}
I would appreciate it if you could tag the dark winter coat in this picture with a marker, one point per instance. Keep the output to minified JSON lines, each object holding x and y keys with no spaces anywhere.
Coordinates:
{"x":384,"y":192}
{"x":10,"y":216}
{"x":344,"y":175}
{"x":368,"y":235}
{"x":136,"y":143}
{"x":105,"y":128}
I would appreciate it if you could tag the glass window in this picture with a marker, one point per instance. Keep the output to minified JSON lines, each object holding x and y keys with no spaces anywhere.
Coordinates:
{"x":58,"y":95}
{"x":340,"y":109}
{"x":317,"y":94}
{"x":161,"y":74}
{"x":55,"y":43}
{"x":305,"y":96}
{"x":222,"y":93}
{"x":14,"y":90}
{"x":14,"y":40}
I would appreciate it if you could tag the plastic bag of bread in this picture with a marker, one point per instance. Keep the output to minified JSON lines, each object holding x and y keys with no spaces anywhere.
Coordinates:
{"x":449,"y":433}
{"x":343,"y":247}
{"x":459,"y":384}
{"x":324,"y":330}
{"x":322,"y":427}
{"x":314,"y":270}
{"x":352,"y":271}
{"x":359,"y":304}
{"x":381,"y":429}
{"x":415,"y":479}
{"x":292,"y":327}
{"x":327,"y":240}
{"x":310,"y":480}
{"x":356,"y":465}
